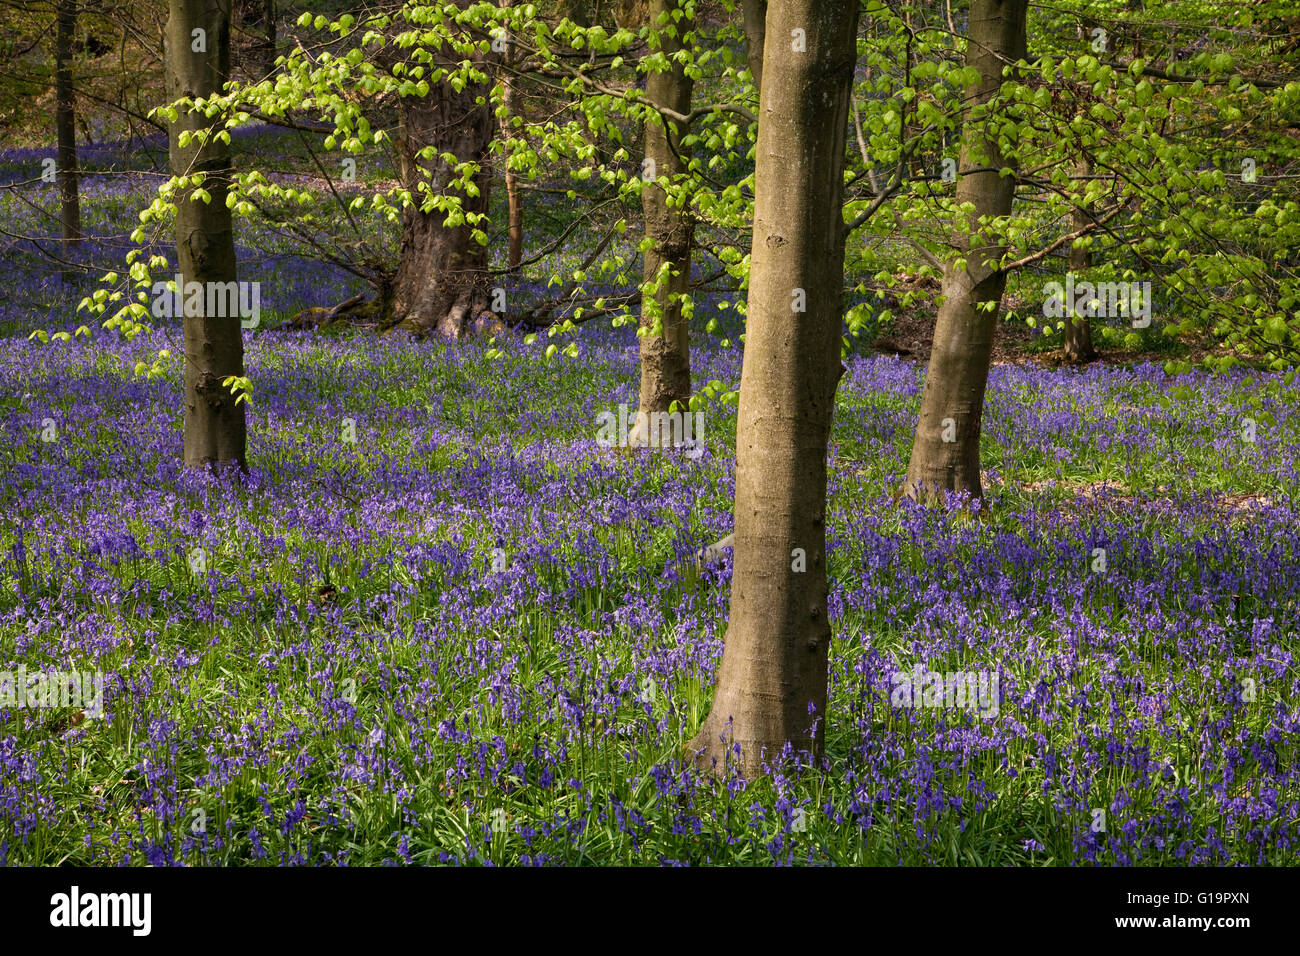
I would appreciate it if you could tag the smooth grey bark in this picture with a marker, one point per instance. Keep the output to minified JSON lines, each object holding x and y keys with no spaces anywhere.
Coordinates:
{"x":665,"y":352}
{"x":946,"y":449}
{"x":205,"y":242}
{"x":771,"y":685}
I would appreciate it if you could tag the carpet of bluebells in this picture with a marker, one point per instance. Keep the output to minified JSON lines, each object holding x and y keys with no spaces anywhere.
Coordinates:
{"x":475,"y":635}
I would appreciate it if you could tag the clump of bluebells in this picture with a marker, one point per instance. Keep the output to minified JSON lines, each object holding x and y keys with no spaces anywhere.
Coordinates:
{"x":462,"y":631}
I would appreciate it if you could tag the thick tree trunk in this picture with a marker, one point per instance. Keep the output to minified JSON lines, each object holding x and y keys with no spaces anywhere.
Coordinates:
{"x":665,"y":339}
{"x":771,"y":686}
{"x":441,"y":283}
{"x":65,"y":120}
{"x":946,"y":450}
{"x":754,"y":13}
{"x":1078,"y":329}
{"x":205,"y":242}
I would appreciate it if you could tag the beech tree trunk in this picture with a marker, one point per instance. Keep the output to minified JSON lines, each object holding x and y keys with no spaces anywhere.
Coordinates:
{"x":771,"y":685}
{"x":65,"y":121}
{"x":946,"y":449}
{"x":205,"y":241}
{"x":665,"y":350}
{"x":441,"y":283}
{"x":1078,"y":328}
